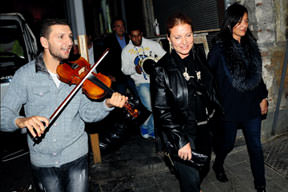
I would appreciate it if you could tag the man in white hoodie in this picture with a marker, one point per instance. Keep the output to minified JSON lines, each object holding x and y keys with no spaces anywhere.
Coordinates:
{"x":138,"y":49}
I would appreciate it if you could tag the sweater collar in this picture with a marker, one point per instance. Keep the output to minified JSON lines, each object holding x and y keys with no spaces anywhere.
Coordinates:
{"x":39,"y":64}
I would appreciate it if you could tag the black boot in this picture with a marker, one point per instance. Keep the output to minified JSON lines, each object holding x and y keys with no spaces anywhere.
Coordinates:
{"x":220,"y":173}
{"x":260,"y":188}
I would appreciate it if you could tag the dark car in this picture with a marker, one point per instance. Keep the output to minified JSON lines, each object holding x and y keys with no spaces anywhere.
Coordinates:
{"x":18,"y":46}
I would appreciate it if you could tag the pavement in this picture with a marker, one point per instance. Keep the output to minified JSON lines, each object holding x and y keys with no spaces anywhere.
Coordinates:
{"x":136,"y":167}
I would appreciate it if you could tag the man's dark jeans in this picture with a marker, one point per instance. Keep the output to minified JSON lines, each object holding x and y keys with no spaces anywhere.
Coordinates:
{"x":72,"y":177}
{"x":252,"y":133}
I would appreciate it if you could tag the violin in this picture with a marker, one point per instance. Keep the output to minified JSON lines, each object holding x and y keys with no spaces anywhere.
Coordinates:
{"x":96,"y":86}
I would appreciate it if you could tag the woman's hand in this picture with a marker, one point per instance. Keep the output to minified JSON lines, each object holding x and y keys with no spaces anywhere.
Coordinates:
{"x":264,"y":106}
{"x":185,"y":152}
{"x":116,"y":100}
{"x":35,"y":124}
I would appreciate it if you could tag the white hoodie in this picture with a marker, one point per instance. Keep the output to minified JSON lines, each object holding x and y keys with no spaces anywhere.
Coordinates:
{"x":131,"y":54}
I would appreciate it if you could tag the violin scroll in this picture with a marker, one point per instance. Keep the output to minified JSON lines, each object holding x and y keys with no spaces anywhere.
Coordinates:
{"x":133,"y":112}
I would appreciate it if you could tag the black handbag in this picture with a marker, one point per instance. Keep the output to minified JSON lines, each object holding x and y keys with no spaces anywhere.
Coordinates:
{"x":197,"y":160}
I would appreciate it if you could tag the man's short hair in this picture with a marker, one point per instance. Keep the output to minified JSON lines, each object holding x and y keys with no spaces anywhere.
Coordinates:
{"x":116,"y":19}
{"x":135,"y":27}
{"x":47,"y":23}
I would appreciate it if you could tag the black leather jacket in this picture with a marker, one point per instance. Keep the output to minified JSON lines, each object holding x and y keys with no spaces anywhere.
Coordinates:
{"x":169,"y":96}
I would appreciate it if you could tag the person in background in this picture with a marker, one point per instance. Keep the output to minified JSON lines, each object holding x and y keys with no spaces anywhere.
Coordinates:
{"x":138,"y":49}
{"x":112,"y":64}
{"x":91,"y":51}
{"x":75,"y":52}
{"x":236,"y":63}
{"x":183,"y":102}
{"x":59,"y":160}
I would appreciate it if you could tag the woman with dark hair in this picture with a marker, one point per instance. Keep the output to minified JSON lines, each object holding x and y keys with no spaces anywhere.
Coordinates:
{"x":235,"y":61}
{"x":183,"y":102}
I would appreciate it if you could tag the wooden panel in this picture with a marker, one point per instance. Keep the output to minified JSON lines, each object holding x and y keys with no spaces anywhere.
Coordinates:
{"x":94,"y":137}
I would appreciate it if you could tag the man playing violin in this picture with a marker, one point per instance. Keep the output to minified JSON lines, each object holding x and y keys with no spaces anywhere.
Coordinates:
{"x":59,"y":161}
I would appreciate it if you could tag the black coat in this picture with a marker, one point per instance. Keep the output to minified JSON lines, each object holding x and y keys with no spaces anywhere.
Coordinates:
{"x":237,"y":69}
{"x":169,"y":96}
{"x":112,"y":63}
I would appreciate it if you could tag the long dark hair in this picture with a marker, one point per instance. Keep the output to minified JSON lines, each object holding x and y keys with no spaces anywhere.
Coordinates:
{"x":232,"y":16}
{"x":243,"y":61}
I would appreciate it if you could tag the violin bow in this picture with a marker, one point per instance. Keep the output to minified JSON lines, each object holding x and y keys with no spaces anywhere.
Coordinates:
{"x":72,"y":93}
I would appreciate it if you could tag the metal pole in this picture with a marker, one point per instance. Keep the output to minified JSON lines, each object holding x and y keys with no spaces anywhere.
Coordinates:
{"x":77,"y":12}
{"x":80,"y":27}
{"x":148,"y":11}
{"x":281,"y":88}
{"x":71,"y":18}
{"x":123,"y":12}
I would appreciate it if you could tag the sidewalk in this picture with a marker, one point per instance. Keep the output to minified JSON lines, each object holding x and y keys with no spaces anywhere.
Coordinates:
{"x":135,"y":167}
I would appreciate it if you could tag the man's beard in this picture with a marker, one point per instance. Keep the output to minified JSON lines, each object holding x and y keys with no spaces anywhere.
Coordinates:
{"x":138,"y":43}
{"x":57,"y":55}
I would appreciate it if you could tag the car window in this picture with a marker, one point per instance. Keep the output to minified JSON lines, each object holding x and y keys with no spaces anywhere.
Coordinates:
{"x":12,"y":48}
